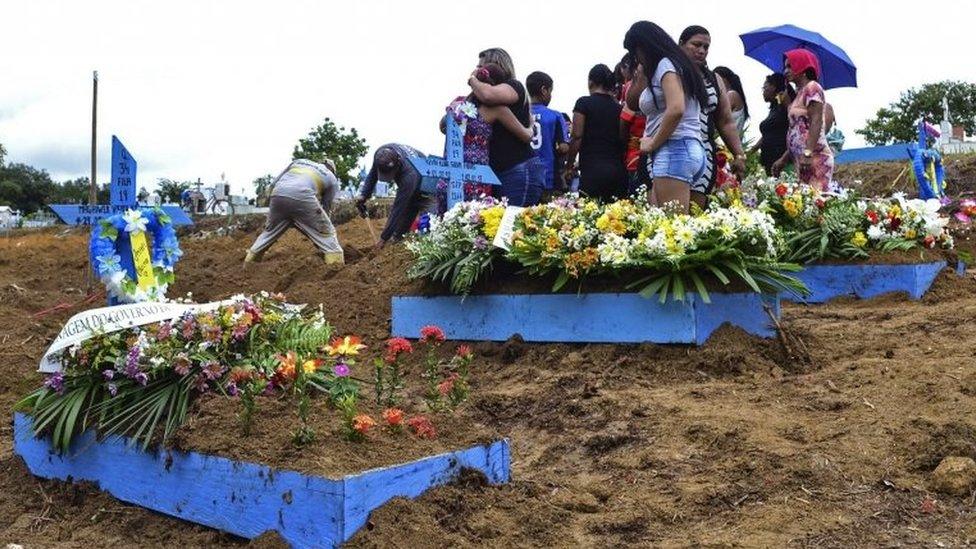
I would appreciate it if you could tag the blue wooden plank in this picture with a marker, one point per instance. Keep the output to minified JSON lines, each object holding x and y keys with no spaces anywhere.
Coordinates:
{"x":248,"y":499}
{"x":81,"y":214}
{"x":898,"y":151}
{"x":827,"y":282}
{"x":572,"y":318}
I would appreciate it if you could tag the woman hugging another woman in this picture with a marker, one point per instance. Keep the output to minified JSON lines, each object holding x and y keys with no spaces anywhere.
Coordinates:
{"x":510,"y":155}
{"x":477,"y":121}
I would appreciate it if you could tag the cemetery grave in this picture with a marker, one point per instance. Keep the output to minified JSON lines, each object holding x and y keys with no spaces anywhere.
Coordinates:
{"x":631,"y":444}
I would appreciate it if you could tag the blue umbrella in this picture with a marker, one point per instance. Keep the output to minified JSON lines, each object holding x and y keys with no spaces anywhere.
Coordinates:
{"x":767,"y":45}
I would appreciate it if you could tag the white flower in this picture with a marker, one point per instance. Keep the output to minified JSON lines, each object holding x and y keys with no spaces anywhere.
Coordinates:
{"x":134,"y":221}
{"x":468,"y":109}
{"x":875,"y":232}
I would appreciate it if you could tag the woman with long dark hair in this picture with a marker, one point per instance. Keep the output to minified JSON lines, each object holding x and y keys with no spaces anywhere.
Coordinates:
{"x":736,"y":96}
{"x":805,"y":139}
{"x":669,"y":91}
{"x":596,"y":138}
{"x":772,"y":130}
{"x":715,"y":115}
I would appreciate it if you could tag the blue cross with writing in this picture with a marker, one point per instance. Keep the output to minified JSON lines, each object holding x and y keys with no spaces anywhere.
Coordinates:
{"x":122,"y":191}
{"x":453,"y":168}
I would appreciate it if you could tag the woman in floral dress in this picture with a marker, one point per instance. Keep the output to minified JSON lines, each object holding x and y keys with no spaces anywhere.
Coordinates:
{"x":806,"y":142}
{"x":475,"y":120}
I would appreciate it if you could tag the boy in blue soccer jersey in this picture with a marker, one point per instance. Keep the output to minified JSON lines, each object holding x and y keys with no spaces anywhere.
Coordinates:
{"x":550,"y":138}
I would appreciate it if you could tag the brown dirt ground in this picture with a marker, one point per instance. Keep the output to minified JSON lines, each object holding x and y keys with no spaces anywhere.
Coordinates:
{"x":730,"y":444}
{"x":884,"y":178}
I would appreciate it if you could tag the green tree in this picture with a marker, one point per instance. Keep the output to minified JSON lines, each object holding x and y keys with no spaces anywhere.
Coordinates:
{"x":25,"y":188}
{"x":345,"y":148}
{"x":3,"y":154}
{"x":897,"y":123}
{"x":169,"y":191}
{"x":262,"y":188}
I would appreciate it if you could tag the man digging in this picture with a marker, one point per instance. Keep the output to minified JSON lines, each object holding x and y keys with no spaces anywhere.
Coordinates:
{"x":301,"y":197}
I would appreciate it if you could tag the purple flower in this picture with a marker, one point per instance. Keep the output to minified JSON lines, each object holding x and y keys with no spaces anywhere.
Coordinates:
{"x":55,"y":382}
{"x":141,"y":378}
{"x":212,"y":370}
{"x":165,"y":330}
{"x":112,"y":389}
{"x":132,"y":362}
{"x":480,"y":242}
{"x":239,"y":332}
{"x":200,"y":383}
{"x":340,"y":370}
{"x":108,"y":374}
{"x":181,"y":364}
{"x":231,"y":389}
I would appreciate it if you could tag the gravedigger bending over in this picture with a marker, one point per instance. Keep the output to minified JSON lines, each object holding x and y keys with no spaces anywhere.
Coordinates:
{"x":300,"y":197}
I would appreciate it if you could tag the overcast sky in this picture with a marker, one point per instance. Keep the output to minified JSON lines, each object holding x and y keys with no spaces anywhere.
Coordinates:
{"x":196,"y":89}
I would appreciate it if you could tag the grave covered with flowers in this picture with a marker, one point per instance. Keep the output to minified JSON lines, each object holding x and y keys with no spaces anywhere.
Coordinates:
{"x":134,"y":399}
{"x":851,"y":245}
{"x":645,"y":259}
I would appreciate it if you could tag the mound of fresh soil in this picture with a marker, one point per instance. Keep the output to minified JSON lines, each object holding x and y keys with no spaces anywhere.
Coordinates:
{"x":729,"y":444}
{"x":884,"y":178}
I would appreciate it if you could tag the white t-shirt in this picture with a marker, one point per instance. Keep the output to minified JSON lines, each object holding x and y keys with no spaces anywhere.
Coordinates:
{"x":689,"y":126}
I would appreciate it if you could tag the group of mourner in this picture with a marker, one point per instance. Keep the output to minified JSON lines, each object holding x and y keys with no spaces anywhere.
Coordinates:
{"x":651,"y":124}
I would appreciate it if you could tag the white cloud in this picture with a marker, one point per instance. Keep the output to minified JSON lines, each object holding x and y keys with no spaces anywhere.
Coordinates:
{"x":196,"y":89}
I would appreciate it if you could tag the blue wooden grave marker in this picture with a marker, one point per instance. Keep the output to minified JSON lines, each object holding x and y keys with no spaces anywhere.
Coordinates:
{"x":249,"y":499}
{"x":122,"y":191}
{"x":453,"y":168}
{"x":584,"y":318}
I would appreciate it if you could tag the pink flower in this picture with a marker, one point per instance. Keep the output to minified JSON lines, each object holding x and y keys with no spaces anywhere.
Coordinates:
{"x":340,"y":370}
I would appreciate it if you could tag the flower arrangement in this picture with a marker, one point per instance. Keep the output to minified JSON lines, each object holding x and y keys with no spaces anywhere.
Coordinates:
{"x":572,"y":238}
{"x":457,"y":248}
{"x":840,"y":225}
{"x":108,"y":264}
{"x":140,"y":382}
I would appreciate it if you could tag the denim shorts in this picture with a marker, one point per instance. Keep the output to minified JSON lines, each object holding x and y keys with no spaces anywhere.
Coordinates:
{"x":522,"y":183}
{"x":681,"y":158}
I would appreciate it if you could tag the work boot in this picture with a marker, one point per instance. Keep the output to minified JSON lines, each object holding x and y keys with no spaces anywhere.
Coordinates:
{"x":334,"y":258}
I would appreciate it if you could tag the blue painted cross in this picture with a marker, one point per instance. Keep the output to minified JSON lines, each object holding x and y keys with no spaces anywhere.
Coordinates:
{"x":453,"y":168}
{"x":122,"y":191}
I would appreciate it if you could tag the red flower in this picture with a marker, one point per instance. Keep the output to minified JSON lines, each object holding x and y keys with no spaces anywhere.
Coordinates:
{"x":447,"y":385}
{"x":929,"y":241}
{"x":393,"y":416}
{"x":422,"y":427}
{"x":395,"y":347}
{"x":464,"y":351}
{"x":894,"y":223}
{"x":432,"y":334}
{"x":872,"y":217}
{"x":781,"y":190}
{"x":819,"y":202}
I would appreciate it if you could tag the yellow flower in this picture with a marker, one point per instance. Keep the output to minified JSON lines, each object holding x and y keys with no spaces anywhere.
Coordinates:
{"x":492,"y":218}
{"x":791,"y":207}
{"x":910,"y":233}
{"x":309,"y":366}
{"x":346,"y":346}
{"x":859,"y":239}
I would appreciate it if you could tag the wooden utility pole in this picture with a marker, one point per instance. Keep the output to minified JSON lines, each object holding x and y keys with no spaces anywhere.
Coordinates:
{"x":93,"y":192}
